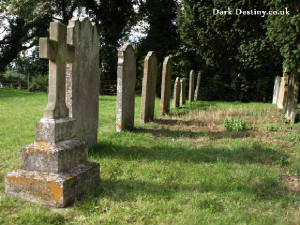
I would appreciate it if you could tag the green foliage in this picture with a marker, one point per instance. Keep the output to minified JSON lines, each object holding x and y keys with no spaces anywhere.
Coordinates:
{"x":284,"y":32}
{"x":236,"y":124}
{"x":39,"y":83}
{"x":270,"y":127}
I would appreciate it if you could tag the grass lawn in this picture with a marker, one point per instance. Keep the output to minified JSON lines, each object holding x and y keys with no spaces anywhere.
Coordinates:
{"x":181,"y":169}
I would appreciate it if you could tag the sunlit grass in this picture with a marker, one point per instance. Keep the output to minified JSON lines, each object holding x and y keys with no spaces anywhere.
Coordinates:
{"x":181,"y":169}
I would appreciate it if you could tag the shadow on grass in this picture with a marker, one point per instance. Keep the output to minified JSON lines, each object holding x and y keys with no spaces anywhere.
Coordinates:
{"x":167,"y":133}
{"x":191,"y":106}
{"x":15,"y":93}
{"x":129,"y":190}
{"x":255,"y":153}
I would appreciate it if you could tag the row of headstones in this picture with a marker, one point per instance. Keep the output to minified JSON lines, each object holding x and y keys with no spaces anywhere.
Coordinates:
{"x":126,"y":80}
{"x":286,"y":94}
{"x":55,"y":169}
{"x":179,"y":94}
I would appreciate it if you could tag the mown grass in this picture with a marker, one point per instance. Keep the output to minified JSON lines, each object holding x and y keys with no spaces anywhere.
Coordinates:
{"x":180,"y":169}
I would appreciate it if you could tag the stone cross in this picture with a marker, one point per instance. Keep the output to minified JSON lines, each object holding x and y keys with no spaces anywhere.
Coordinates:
{"x":58,"y":52}
{"x":197,"y":86}
{"x":166,"y":86}
{"x":276,"y":89}
{"x":191,"y":86}
{"x":182,"y":92}
{"x":126,"y":79}
{"x":282,"y":96}
{"x":83,"y":79}
{"x":149,"y":88}
{"x":176,"y":95}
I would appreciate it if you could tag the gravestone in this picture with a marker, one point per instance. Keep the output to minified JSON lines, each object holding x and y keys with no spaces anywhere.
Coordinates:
{"x":281,"y":101}
{"x":176,"y":94}
{"x":292,"y":97}
{"x":197,"y":86}
{"x":276,"y":89}
{"x":191,"y":86}
{"x":166,"y":86}
{"x":182,"y":92}
{"x":149,"y":88}
{"x":83,"y":80}
{"x":126,"y":78}
{"x":54,"y":169}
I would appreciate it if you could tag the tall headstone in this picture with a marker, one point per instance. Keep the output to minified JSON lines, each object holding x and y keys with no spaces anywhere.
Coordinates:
{"x":149,"y":88}
{"x":166,"y":86}
{"x":126,"y":79}
{"x":191,"y":86}
{"x":197,"y":86}
{"x":292,"y":97}
{"x":281,"y":101}
{"x":83,"y":80}
{"x":54,"y":169}
{"x":176,"y":94}
{"x":182,"y":92}
{"x":276,"y":89}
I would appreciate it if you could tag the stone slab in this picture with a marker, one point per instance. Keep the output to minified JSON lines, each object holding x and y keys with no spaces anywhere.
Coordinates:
{"x":126,"y":79}
{"x":182,"y":92}
{"x":197,"y":87}
{"x":57,"y":190}
{"x":292,"y":97}
{"x":53,"y":158}
{"x":166,"y":86}
{"x":176,"y":94}
{"x":191,"y":86}
{"x":54,"y":130}
{"x":149,"y":88}
{"x":282,"y":96}
{"x":83,"y":79}
{"x":276,"y":88}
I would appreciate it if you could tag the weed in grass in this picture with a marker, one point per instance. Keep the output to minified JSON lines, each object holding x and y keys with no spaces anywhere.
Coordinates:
{"x":235,"y":124}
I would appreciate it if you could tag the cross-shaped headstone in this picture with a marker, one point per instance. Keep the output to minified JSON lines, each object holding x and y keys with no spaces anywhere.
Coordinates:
{"x":59,"y":53}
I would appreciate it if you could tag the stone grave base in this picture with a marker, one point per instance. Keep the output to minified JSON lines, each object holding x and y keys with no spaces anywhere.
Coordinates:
{"x":57,"y":190}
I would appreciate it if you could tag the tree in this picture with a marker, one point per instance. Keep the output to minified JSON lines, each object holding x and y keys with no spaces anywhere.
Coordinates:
{"x":284,"y":32}
{"x":230,"y":46}
{"x":113,"y":19}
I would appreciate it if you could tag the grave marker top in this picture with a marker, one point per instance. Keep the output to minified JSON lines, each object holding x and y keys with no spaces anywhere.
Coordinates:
{"x":58,"y":52}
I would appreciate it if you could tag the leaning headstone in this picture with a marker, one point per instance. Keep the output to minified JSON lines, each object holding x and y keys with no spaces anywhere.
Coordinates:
{"x":149,"y":88}
{"x":191,"y":86}
{"x":166,"y":86}
{"x":182,"y":92}
{"x":126,"y":79}
{"x":176,"y":94}
{"x":292,"y":97}
{"x":276,"y":89}
{"x":83,"y":80}
{"x":54,"y":169}
{"x":197,"y":86}
{"x":281,"y":101}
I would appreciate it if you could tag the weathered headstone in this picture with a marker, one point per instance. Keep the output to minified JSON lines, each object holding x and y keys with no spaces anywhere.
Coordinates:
{"x":197,"y":86}
{"x":149,"y":88}
{"x":166,"y":86}
{"x":276,"y":89}
{"x":176,"y":94}
{"x":182,"y":92}
{"x":191,"y":86}
{"x":54,"y":169}
{"x":292,"y":97}
{"x":126,"y":79}
{"x":83,"y":80}
{"x":281,"y":101}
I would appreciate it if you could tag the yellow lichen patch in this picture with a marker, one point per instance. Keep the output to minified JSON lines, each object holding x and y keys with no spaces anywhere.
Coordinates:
{"x":119,"y":126}
{"x":56,"y":192}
